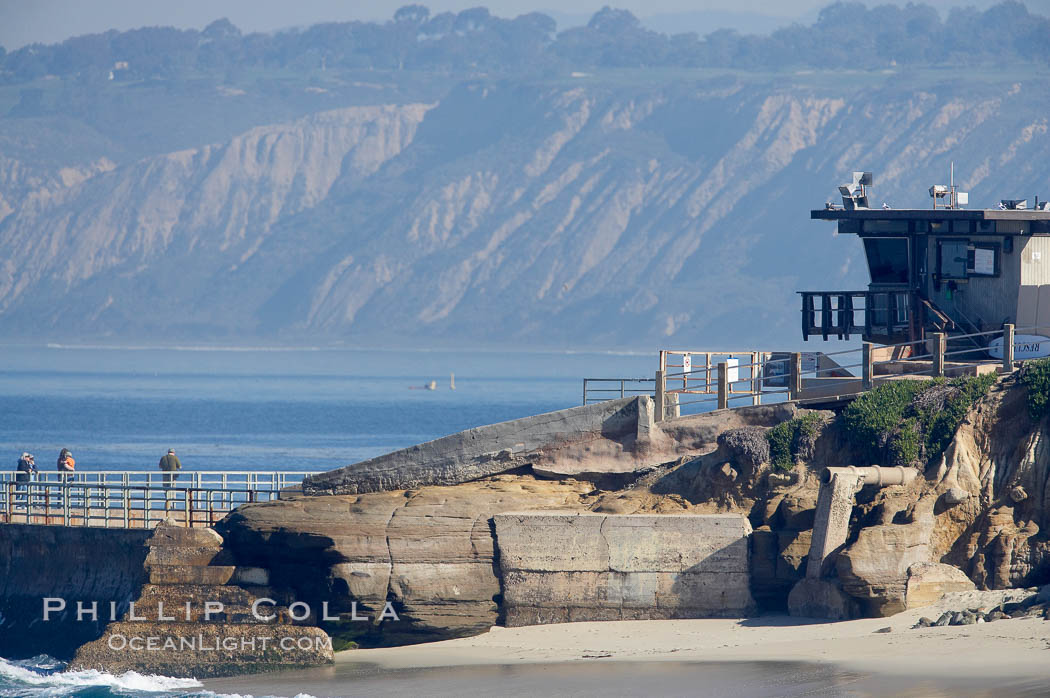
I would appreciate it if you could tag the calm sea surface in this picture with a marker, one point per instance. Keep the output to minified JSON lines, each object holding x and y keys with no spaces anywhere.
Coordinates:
{"x":301,"y":410}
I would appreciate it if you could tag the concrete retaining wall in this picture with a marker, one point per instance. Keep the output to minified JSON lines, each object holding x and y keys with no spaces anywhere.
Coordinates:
{"x":85,"y":564}
{"x":559,"y":567}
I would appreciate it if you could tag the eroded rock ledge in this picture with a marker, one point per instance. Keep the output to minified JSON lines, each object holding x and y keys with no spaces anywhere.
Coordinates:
{"x":608,"y":443}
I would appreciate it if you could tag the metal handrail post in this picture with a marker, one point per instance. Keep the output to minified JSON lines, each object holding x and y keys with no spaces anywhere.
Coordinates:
{"x":868,"y":367}
{"x":661,"y":398}
{"x":939,"y":347}
{"x":1008,"y":348}
{"x":723,"y":386}
{"x":756,"y":384}
{"x":795,"y":385}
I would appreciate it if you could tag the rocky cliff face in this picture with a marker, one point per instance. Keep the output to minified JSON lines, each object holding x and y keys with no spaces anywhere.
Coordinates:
{"x":166,"y":229}
{"x":976,"y":512}
{"x":428,"y":551}
{"x":567,"y":214}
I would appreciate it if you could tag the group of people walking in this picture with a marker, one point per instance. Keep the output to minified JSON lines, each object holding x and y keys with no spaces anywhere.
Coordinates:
{"x":27,"y":469}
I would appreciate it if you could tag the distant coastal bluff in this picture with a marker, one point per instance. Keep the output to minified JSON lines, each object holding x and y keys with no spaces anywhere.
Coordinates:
{"x":590,"y":513}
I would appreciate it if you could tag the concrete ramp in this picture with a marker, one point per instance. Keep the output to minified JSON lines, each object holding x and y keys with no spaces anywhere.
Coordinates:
{"x":608,"y":443}
{"x":607,"y":432}
{"x":560,"y":567}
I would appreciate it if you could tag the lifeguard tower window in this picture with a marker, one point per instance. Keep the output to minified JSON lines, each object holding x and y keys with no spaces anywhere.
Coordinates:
{"x":888,"y":260}
{"x":953,"y":258}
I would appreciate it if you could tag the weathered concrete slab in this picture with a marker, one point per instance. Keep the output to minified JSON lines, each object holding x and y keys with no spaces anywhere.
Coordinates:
{"x":565,"y":435}
{"x":564,"y":566}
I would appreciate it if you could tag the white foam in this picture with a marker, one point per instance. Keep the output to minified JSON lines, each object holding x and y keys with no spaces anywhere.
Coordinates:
{"x":129,"y":681}
{"x":41,"y":673}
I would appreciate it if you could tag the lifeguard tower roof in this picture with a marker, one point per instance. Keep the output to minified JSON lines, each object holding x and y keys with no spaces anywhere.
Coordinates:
{"x":1040,"y":219}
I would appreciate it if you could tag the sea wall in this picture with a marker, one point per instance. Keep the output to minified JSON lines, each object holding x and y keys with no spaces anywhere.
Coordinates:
{"x":616,"y":427}
{"x":85,"y":564}
{"x":565,"y":566}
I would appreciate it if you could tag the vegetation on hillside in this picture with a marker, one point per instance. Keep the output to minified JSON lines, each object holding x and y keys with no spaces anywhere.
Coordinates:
{"x":845,"y":35}
{"x":910,"y":422}
{"x":1035,"y":375}
{"x":792,"y":440}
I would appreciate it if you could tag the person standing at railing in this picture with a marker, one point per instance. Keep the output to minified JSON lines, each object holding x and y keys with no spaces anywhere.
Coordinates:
{"x":26,"y":468}
{"x":170,"y":466}
{"x":26,"y":472}
{"x":66,"y":464}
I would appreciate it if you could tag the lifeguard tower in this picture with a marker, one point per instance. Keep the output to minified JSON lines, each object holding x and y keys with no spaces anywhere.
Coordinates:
{"x":945,"y":269}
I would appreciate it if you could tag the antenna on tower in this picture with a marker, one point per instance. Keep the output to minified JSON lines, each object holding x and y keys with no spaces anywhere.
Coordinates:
{"x":955,"y":194}
{"x":955,"y":197}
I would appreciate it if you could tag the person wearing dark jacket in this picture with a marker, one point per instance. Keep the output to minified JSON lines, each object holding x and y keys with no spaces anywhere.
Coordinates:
{"x":170,"y":465}
{"x":26,"y":468}
{"x":26,"y":473}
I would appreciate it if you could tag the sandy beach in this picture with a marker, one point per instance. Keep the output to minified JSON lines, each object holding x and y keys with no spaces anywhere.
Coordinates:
{"x":1013,"y":647}
{"x":768,"y":656}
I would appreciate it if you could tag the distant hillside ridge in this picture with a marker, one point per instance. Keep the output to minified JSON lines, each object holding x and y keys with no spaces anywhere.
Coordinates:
{"x":845,"y":36}
{"x":583,"y":213}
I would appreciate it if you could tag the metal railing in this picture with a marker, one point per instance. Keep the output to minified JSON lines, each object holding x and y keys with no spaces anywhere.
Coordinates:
{"x":696,"y":374}
{"x":220,"y":479}
{"x":602,"y":389}
{"x":697,"y":378}
{"x":845,"y":383}
{"x":135,"y":499}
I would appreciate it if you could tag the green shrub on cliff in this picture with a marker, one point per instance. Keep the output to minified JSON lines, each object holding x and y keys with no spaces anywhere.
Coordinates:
{"x":1035,"y":375}
{"x":910,"y":422}
{"x":788,"y":440}
{"x":905,"y":447}
{"x":941,"y":421}
{"x":872,"y":417}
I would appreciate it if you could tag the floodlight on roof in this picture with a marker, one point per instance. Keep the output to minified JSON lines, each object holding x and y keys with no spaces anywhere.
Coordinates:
{"x":854,"y":195}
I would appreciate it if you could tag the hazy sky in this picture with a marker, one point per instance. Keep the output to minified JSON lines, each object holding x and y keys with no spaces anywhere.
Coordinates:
{"x":49,"y":21}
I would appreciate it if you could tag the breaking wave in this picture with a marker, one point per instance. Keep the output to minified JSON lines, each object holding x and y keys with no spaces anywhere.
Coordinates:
{"x":44,"y":676}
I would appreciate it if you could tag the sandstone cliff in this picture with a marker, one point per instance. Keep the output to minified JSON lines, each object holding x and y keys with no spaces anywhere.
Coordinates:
{"x":432,"y":551}
{"x":564,"y":212}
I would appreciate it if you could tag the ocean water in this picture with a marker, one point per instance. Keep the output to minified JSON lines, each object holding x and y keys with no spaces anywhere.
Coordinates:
{"x":43,"y":677}
{"x":266,"y":409}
